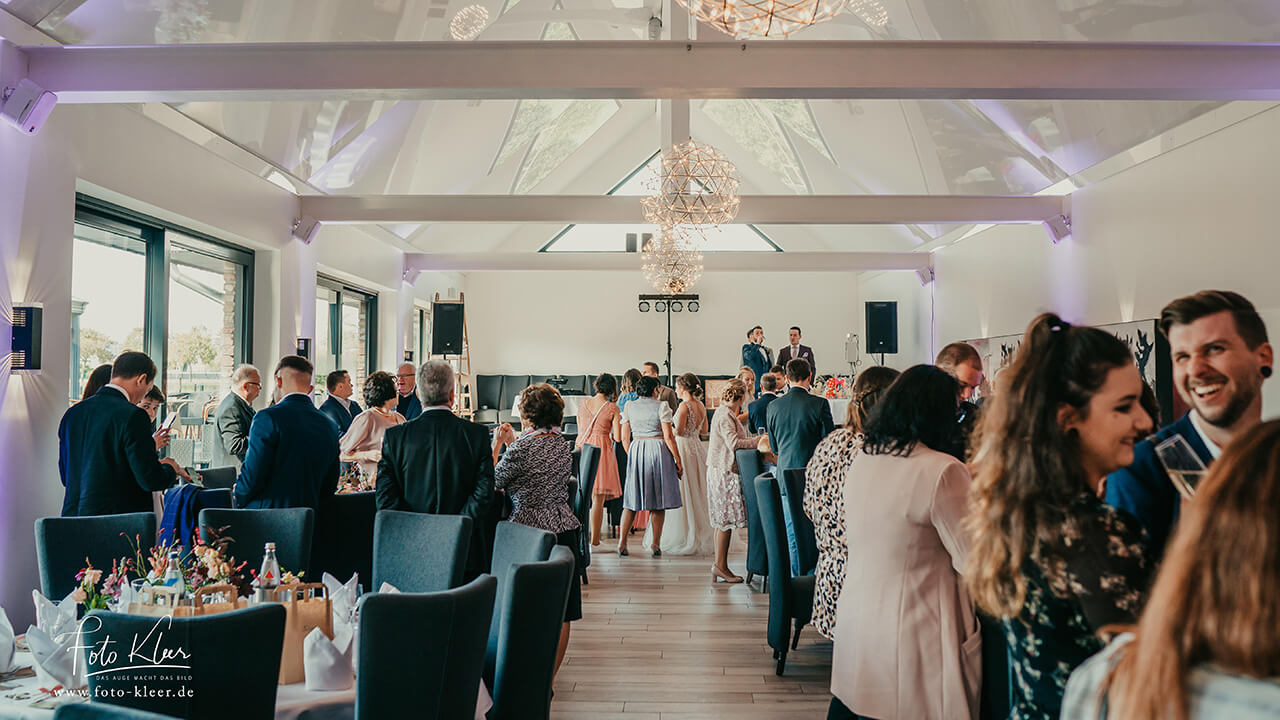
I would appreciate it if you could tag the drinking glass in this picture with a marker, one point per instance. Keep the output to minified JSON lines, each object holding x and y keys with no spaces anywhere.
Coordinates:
{"x":1182,"y":463}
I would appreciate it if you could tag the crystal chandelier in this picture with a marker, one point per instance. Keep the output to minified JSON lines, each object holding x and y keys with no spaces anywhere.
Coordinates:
{"x":469,"y":22}
{"x":871,"y":12}
{"x":671,"y":263}
{"x":696,"y":186}
{"x":762,"y":18}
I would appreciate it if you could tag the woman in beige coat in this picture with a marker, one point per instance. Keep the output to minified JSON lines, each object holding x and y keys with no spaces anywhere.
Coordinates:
{"x":907,"y":643}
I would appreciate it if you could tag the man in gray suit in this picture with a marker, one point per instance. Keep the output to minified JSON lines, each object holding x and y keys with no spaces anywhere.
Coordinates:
{"x":233,"y":417}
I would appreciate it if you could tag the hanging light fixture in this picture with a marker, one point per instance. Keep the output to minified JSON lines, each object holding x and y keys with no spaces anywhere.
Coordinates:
{"x":762,"y":18}
{"x":469,"y":22}
{"x":696,"y":186}
{"x":871,"y":12}
{"x":671,"y":263}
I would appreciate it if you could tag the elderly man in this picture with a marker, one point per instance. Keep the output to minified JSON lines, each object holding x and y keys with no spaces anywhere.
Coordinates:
{"x":408,"y":404}
{"x":233,"y":417}
{"x":439,"y":463}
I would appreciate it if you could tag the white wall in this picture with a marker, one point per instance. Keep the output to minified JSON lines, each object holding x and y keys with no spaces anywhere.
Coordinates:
{"x":586,"y":323}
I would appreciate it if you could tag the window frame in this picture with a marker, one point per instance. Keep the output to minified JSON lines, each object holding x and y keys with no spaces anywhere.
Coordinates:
{"x":333,"y":324}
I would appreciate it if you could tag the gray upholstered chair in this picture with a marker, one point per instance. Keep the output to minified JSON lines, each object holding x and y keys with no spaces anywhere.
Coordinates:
{"x":749,"y":467}
{"x":588,"y":464}
{"x":291,"y":529}
{"x":530,"y":612}
{"x":222,"y":477}
{"x":790,"y":598}
{"x":792,"y":489}
{"x":228,"y":655}
{"x":344,"y":537}
{"x":63,"y":544}
{"x":418,"y":552}
{"x":513,"y":544}
{"x":422,"y":654}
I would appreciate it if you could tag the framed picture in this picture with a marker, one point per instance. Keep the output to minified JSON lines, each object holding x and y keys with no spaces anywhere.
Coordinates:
{"x":713,"y":389}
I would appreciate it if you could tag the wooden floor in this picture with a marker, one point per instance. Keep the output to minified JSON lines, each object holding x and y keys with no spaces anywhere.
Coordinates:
{"x":658,"y":642}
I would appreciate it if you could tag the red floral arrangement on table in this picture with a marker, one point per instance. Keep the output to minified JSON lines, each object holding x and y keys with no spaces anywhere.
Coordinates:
{"x":94,"y":591}
{"x":835,"y":387}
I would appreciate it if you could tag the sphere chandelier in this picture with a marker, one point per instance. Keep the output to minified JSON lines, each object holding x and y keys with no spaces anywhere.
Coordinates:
{"x":762,"y":18}
{"x":469,"y":22}
{"x":671,"y":263}
{"x":871,"y":12}
{"x":696,"y":186}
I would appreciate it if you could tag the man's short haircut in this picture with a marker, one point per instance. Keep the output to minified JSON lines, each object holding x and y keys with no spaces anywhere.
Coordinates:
{"x":777,"y":369}
{"x":332,"y":379}
{"x":753,"y":330}
{"x":155,"y":394}
{"x":296,"y":363}
{"x":797,"y":329}
{"x":653,"y":366}
{"x":956,"y":354}
{"x":242,"y":373}
{"x":435,"y":382}
{"x":769,"y":383}
{"x":131,"y":364}
{"x":798,"y":369}
{"x":1186,"y":310}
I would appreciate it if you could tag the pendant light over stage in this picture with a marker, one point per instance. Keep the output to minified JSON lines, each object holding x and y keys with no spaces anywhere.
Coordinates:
{"x":744,"y":19}
{"x":671,"y":263}
{"x":696,"y":186}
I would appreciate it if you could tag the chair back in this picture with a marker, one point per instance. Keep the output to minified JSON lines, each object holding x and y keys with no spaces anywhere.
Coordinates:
{"x":420,"y":552}
{"x":291,"y":529}
{"x":63,"y":544}
{"x":217,"y":498}
{"x":216,"y":478}
{"x":749,"y":468}
{"x":421,"y":654}
{"x":614,"y":506}
{"x":774,"y":531}
{"x":102,"y":711}
{"x":514,"y":544}
{"x":344,"y":537}
{"x":792,"y":489}
{"x":588,"y":465}
{"x":234,"y":652}
{"x":521,"y":665}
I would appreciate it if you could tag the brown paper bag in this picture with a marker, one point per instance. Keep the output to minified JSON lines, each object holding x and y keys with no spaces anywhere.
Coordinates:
{"x":160,"y":601}
{"x":308,"y":607}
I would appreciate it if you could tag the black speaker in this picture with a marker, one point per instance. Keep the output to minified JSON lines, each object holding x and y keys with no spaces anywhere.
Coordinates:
{"x":882,"y":327}
{"x":446,"y":328}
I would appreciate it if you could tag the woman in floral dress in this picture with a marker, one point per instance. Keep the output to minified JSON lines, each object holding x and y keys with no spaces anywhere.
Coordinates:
{"x":724,"y":489}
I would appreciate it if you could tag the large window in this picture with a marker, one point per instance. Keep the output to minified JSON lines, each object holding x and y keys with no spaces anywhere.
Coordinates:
{"x":181,"y":297}
{"x":346,"y":331}
{"x":419,"y":343}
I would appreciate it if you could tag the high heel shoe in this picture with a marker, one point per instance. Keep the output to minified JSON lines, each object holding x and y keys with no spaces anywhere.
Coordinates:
{"x":622,"y":551}
{"x":717,"y":575}
{"x":657,"y":551}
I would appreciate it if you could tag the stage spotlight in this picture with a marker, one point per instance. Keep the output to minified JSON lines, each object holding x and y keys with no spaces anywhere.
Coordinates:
{"x":677,"y":306}
{"x":660,"y":306}
{"x":644,"y":306}
{"x":693,"y":306}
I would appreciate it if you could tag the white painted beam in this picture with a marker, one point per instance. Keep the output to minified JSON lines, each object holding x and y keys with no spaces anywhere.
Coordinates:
{"x":714,"y":262}
{"x":661,"y":69}
{"x":616,"y":209}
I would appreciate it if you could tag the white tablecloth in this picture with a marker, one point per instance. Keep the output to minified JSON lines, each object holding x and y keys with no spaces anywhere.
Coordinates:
{"x":839,"y":406}
{"x":571,"y":403}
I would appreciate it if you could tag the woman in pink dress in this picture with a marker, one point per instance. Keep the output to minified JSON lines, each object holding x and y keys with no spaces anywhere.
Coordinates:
{"x":363,"y":441}
{"x":598,"y":424}
{"x":724,"y":491}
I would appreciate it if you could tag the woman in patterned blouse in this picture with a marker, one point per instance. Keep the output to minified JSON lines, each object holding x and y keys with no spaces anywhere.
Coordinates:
{"x":535,"y":472}
{"x":824,"y":493}
{"x":1048,"y":558}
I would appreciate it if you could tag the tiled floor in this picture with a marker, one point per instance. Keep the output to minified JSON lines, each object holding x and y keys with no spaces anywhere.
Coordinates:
{"x":658,"y":641}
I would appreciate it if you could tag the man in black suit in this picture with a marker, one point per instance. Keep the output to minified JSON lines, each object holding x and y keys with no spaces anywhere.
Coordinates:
{"x":799,"y":420}
{"x":757,"y":416}
{"x":106,"y":452}
{"x":233,"y":417}
{"x":663,"y":393}
{"x":339,"y":407}
{"x":292,"y":460}
{"x":406,"y":379}
{"x":796,"y":351}
{"x":439,"y":463}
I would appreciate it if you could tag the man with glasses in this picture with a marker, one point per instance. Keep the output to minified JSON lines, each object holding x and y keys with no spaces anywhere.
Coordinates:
{"x":234,"y":416}
{"x":406,"y":380}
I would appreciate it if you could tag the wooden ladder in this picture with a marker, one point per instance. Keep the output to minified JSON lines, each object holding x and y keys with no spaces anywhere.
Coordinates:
{"x":464,"y":403}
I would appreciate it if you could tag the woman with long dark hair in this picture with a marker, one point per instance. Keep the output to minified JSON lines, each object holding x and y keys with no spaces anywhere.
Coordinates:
{"x":1048,"y":558}
{"x":1208,"y":643}
{"x":907,"y":643}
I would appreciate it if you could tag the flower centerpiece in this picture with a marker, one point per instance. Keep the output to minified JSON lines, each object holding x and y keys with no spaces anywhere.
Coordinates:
{"x":96,"y":592}
{"x":835,"y":387}
{"x":355,"y":480}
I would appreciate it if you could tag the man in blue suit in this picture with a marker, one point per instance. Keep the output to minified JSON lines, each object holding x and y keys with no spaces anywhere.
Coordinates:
{"x":339,"y":407}
{"x":106,"y":452}
{"x":1220,"y":354}
{"x":757,"y":411}
{"x":756,"y":356}
{"x":292,"y":459}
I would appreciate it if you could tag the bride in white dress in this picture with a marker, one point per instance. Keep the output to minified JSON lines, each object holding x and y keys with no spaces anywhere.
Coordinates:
{"x":687,"y":530}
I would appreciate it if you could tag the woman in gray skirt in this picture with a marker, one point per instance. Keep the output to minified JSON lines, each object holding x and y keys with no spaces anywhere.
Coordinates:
{"x":653,"y":463}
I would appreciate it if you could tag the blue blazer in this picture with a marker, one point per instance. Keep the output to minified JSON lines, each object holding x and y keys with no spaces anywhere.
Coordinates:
{"x":797,"y":422}
{"x":333,"y":410}
{"x":409,"y":406}
{"x":1144,"y":489}
{"x":107,"y":458}
{"x":757,"y":412}
{"x":757,"y":358}
{"x":292,"y":459}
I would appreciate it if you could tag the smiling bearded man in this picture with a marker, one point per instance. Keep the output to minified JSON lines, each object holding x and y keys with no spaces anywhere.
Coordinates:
{"x":1221,"y":356}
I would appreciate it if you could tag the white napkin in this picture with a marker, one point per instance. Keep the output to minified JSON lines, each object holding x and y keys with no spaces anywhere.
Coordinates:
{"x":127,"y":597}
{"x":342,"y":598}
{"x":7,"y":646}
{"x":55,"y":619}
{"x":388,"y":588}
{"x":52,"y":639}
{"x":326,"y":662}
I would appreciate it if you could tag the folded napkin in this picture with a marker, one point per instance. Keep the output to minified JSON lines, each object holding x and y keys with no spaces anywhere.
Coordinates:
{"x":327,"y":663}
{"x":128,"y":596}
{"x":55,"y":619}
{"x":7,"y":645}
{"x":343,"y":598}
{"x":388,"y":588}
{"x":52,"y":640}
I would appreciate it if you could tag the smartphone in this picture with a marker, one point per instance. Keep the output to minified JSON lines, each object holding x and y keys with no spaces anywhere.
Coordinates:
{"x":169,"y":419}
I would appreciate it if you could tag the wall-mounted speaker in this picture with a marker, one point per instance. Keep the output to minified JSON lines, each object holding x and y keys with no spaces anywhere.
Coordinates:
{"x":882,"y":327}
{"x":446,"y":328}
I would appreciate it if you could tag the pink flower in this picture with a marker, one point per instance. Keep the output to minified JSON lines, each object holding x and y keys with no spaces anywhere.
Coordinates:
{"x":78,"y":595}
{"x":92,"y":576}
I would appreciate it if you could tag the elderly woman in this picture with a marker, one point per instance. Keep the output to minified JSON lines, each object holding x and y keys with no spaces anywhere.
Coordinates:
{"x":724,"y":490}
{"x":363,"y":442}
{"x":535,"y":473}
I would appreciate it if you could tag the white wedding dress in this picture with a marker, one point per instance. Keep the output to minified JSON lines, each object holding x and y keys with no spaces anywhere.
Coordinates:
{"x":687,"y":529}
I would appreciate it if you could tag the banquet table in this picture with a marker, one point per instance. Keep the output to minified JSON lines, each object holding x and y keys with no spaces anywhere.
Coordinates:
{"x":23,"y":699}
{"x":839,"y":406}
{"x":571,"y":403}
